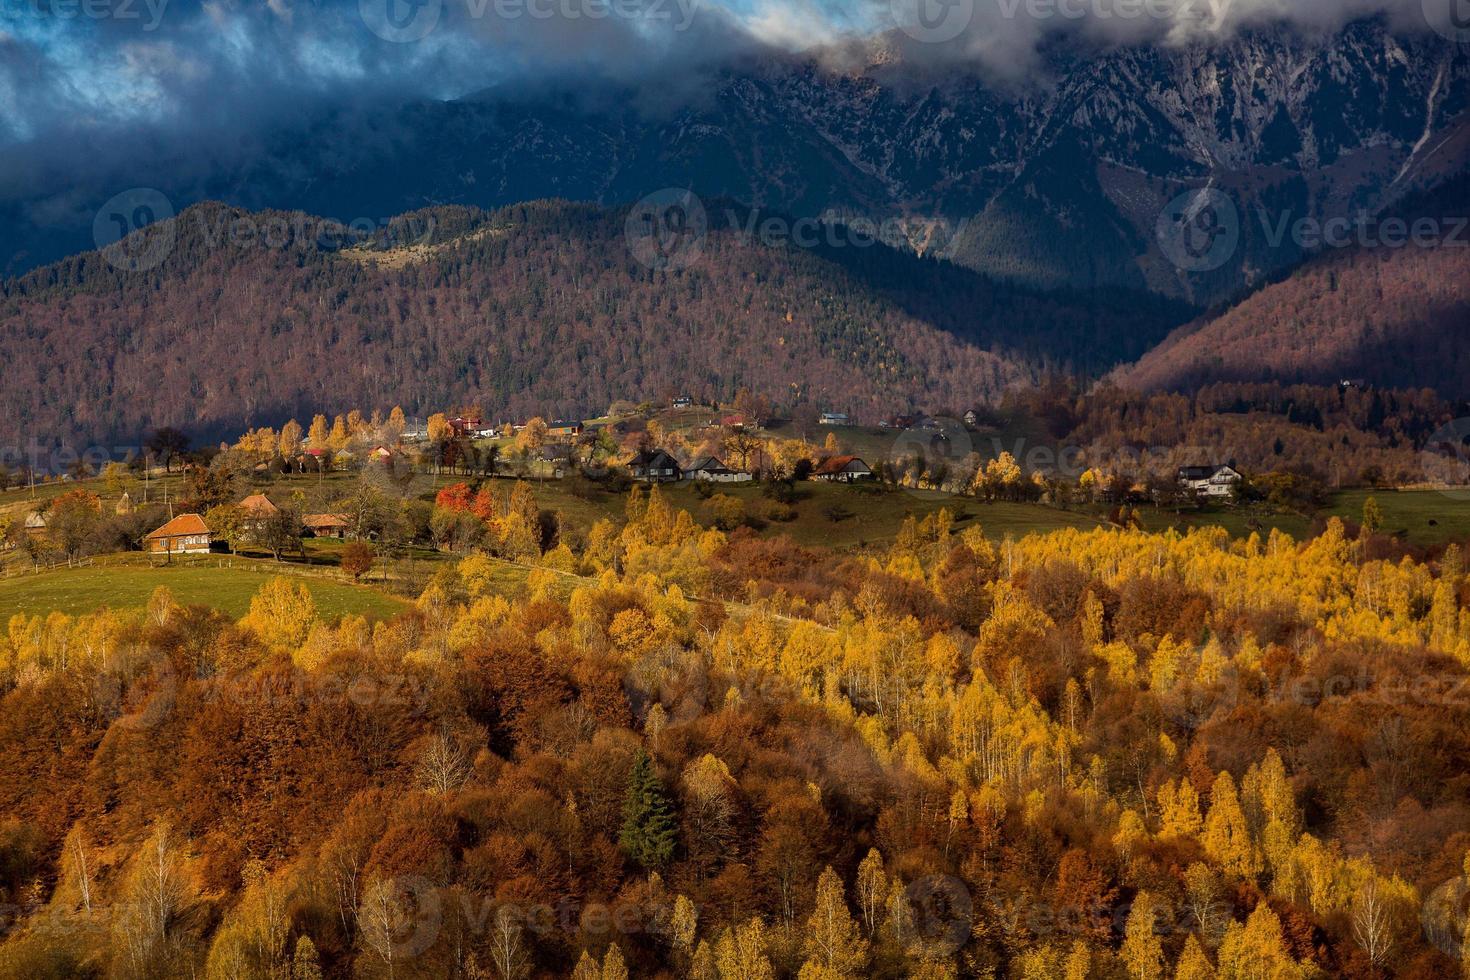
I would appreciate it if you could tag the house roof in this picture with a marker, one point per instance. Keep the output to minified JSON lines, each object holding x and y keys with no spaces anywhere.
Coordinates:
{"x":325,"y":520}
{"x":653,"y":457}
{"x":180,"y":526}
{"x":711,"y":464}
{"x":1203,"y":472}
{"x":258,"y":505}
{"x":837,"y":464}
{"x":35,"y":520}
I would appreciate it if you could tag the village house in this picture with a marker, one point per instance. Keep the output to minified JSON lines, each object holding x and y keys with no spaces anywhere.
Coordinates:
{"x":257,"y":508}
{"x":35,"y":523}
{"x":842,"y":469}
{"x":655,"y":466}
{"x":1211,"y":482}
{"x":835,"y":418}
{"x":186,"y":534}
{"x":683,"y":401}
{"x":556,"y":455}
{"x":564,"y":430}
{"x":713,"y":470}
{"x":465,"y":425}
{"x":327,"y":525}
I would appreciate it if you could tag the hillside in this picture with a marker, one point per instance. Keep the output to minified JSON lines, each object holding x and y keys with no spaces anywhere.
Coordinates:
{"x":1394,"y":317}
{"x":532,"y":309}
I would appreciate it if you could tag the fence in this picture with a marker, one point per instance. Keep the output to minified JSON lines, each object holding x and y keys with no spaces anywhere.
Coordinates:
{"x":31,"y":568}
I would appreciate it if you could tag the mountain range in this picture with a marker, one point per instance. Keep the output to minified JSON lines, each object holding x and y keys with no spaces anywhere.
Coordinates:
{"x":1026,"y":231}
{"x":1055,"y":180}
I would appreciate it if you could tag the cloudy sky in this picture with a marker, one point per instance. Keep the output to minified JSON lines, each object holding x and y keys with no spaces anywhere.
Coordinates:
{"x":87,"y":83}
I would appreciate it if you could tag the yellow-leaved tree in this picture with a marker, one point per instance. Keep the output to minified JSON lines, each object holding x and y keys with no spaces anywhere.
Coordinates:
{"x":281,"y":613}
{"x":1142,"y":952}
{"x":833,"y":940}
{"x":1227,"y":837}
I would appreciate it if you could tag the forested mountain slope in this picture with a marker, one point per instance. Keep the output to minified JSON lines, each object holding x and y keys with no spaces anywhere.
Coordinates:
{"x":534,"y":308}
{"x":1394,"y":317}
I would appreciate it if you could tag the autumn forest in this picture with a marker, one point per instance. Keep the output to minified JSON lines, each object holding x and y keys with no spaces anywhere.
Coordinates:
{"x":679,"y":752}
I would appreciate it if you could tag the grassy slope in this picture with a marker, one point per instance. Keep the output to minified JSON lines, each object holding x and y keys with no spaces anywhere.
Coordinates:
{"x":1410,"y":512}
{"x":127,"y":584}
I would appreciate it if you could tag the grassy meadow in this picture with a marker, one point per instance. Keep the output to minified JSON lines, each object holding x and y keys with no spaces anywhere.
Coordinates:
{"x":226,"y":585}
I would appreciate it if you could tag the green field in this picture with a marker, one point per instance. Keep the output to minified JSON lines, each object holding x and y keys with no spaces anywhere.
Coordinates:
{"x":127,"y":586}
{"x":874,"y":515}
{"x":1425,"y":517}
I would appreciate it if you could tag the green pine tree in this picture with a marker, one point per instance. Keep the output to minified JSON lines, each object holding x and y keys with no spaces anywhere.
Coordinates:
{"x":649,"y":828}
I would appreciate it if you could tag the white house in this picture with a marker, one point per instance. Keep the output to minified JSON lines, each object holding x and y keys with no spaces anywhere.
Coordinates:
{"x":1212,"y":482}
{"x":842,"y":469}
{"x":713,"y":470}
